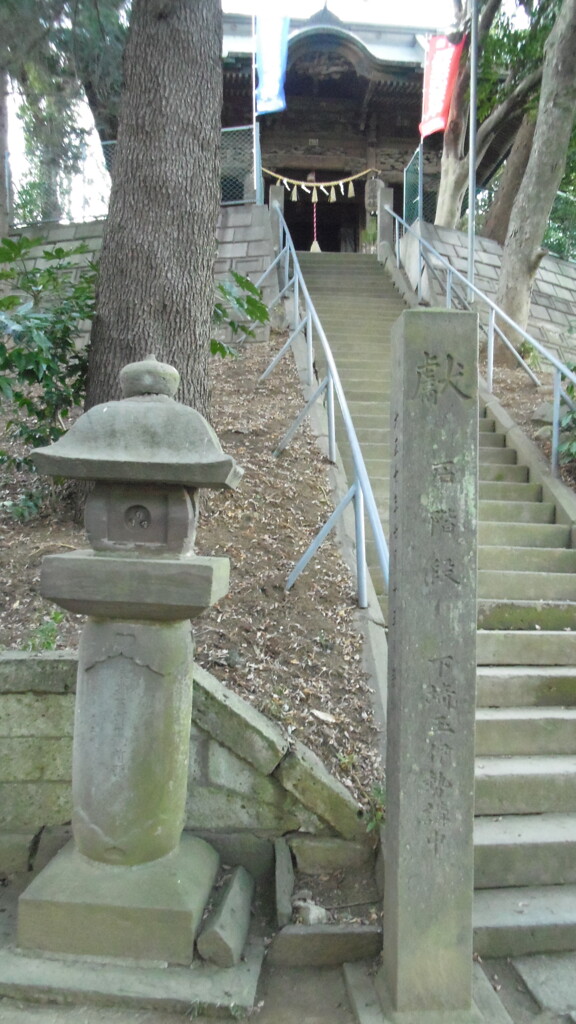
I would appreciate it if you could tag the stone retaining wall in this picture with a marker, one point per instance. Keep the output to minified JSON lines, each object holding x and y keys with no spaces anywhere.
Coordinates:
{"x":245,"y":774}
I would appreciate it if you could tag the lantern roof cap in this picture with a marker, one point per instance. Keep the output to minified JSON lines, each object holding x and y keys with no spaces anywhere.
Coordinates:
{"x":146,"y":437}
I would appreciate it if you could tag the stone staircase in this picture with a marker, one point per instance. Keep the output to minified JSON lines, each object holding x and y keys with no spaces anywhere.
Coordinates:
{"x":525,"y":826}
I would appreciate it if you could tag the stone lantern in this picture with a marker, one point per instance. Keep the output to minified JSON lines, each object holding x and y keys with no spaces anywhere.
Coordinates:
{"x":130,"y":885}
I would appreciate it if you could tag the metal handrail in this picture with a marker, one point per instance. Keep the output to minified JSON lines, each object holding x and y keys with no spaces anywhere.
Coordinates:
{"x":360,"y":492}
{"x":427,"y":253}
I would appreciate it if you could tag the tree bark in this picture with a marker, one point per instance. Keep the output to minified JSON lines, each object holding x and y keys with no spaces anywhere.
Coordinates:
{"x":155,"y":291}
{"x":531,"y":210}
{"x":5,"y":203}
{"x":498,"y":217}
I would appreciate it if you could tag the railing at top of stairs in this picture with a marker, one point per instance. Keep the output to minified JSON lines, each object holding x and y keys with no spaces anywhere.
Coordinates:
{"x":468,"y":297}
{"x":306,"y":323}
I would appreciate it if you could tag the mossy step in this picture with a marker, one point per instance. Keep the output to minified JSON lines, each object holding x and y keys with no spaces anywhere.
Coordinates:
{"x":525,"y":559}
{"x":509,"y":614}
{"x":498,"y":456}
{"x":524,"y":849}
{"x":516,"y":647}
{"x":526,"y":585}
{"x":525,"y":784}
{"x":492,"y":441}
{"x":513,"y":534}
{"x":516,"y":511}
{"x":535,"y":685}
{"x":505,"y":490}
{"x":525,"y":730}
{"x":519,"y":920}
{"x":502,"y":473}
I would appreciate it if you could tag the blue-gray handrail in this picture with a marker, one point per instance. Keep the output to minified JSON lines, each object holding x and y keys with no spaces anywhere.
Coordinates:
{"x":430,"y":258}
{"x":307,"y":322}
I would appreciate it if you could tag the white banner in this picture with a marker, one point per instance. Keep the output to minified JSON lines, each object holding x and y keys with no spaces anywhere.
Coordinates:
{"x":271,"y":54}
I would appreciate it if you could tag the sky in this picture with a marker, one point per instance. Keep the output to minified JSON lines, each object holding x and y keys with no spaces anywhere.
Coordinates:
{"x":421,"y":13}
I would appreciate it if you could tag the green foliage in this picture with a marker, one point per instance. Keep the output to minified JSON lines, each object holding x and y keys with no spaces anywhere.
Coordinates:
{"x":42,"y":371}
{"x":376,"y":809}
{"x":26,"y":506}
{"x":567,"y":448}
{"x":238,"y":305}
{"x":45,"y":636}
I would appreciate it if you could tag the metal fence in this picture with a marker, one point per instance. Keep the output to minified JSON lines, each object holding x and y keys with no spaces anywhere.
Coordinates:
{"x":412,"y":198}
{"x":84,"y":195}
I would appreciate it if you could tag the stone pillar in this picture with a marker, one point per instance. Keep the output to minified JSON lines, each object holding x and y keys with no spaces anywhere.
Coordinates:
{"x":277,"y":194}
{"x":385,"y":222}
{"x":131,"y":885}
{"x":427,"y":961}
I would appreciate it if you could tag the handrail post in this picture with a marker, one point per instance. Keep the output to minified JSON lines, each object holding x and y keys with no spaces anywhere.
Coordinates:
{"x":449,"y":289}
{"x":331,"y":420}
{"x":490,"y":350}
{"x":420,"y":269}
{"x":309,"y":349}
{"x":296,"y":301}
{"x":556,"y":421}
{"x":361,"y":585}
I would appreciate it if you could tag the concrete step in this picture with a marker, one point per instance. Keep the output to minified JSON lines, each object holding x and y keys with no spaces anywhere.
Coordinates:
{"x":492,"y":441}
{"x":525,"y":784}
{"x":519,"y":920}
{"x":526,"y":535}
{"x":526,"y":585}
{"x":525,"y":731}
{"x":516,"y":511}
{"x":486,"y":426}
{"x":535,"y":685}
{"x":504,"y":490}
{"x":501,"y":473}
{"x":524,"y":849}
{"x":500,"y":456}
{"x":507,"y":614}
{"x":524,"y":559}
{"x":515,"y":647}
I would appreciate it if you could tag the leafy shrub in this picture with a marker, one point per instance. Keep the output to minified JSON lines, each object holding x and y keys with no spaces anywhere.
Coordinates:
{"x":42,"y":367}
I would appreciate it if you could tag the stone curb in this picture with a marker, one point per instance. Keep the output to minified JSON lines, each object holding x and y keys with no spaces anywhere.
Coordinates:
{"x":324,"y":945}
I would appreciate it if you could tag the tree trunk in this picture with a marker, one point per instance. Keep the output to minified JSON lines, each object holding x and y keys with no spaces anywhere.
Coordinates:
{"x":155,"y":292}
{"x":5,"y":199}
{"x":531,"y":210}
{"x":498,"y":217}
{"x":452,"y":189}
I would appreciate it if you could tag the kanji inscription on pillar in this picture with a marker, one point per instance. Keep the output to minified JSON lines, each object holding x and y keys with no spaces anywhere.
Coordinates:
{"x":427,"y":962}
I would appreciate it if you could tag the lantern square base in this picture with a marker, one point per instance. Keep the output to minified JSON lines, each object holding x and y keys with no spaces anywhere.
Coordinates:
{"x":150,"y":911}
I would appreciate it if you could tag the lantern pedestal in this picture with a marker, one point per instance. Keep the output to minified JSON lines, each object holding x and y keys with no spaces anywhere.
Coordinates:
{"x":150,"y":911}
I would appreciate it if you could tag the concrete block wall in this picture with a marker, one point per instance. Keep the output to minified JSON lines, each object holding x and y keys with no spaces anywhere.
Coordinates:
{"x":244,"y":774}
{"x":243,"y":234}
{"x":553,"y":295}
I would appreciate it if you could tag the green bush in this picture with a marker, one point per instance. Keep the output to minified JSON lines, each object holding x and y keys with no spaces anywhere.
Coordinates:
{"x":42,"y":367}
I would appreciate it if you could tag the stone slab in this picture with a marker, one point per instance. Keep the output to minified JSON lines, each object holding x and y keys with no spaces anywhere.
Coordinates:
{"x":236,"y":724}
{"x":15,"y":852}
{"x":284,"y":882}
{"x":486,"y":1007}
{"x":319,"y":855}
{"x":551,"y":980}
{"x":147,"y":588}
{"x":324,"y":945}
{"x":304,"y":775}
{"x":200,"y":989}
{"x":151,"y":911}
{"x":225,"y":932}
{"x":47,"y":671}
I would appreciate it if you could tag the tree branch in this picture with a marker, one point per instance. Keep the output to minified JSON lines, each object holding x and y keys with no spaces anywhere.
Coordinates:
{"x":508,"y":106}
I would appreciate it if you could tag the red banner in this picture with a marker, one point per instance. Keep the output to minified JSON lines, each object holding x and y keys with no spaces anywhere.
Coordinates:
{"x":442,"y":61}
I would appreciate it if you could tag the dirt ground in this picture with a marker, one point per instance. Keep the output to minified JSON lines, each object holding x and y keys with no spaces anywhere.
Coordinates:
{"x":297,"y":656}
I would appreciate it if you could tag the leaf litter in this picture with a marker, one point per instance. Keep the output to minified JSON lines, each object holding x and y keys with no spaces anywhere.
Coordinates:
{"x":296,"y":656}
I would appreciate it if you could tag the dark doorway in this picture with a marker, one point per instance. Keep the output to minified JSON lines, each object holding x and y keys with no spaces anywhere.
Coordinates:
{"x":338,"y":223}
